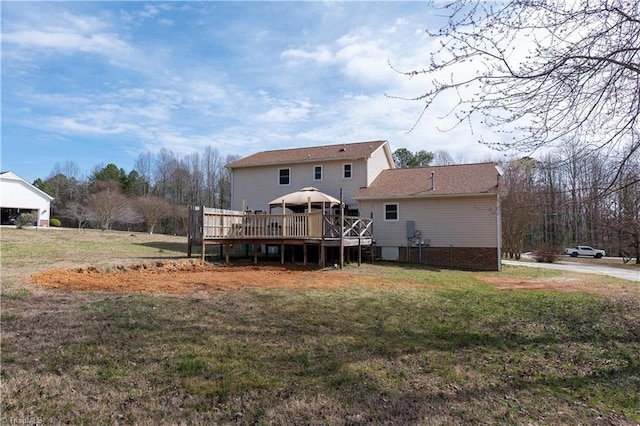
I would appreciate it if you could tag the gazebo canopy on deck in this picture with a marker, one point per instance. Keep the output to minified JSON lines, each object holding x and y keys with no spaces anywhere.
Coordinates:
{"x":305,"y":199}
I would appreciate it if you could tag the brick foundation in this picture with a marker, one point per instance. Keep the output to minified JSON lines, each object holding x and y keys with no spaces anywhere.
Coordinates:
{"x":478,"y":258}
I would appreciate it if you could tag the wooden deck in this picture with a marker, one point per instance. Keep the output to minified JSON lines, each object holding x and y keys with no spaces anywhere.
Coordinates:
{"x":208,"y":226}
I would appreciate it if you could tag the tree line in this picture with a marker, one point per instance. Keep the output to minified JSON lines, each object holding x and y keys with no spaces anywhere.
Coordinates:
{"x":153,"y":197}
{"x":565,"y":199}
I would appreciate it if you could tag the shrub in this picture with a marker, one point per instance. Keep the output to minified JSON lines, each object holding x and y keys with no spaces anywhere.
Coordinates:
{"x":545,"y":254}
{"x":24,"y":220}
{"x":55,"y":222}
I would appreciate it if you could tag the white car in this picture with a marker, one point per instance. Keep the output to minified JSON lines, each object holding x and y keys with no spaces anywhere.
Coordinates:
{"x":584,"y":251}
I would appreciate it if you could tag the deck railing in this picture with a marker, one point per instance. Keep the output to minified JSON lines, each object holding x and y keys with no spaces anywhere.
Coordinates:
{"x":209,"y":223}
{"x":354,"y":227}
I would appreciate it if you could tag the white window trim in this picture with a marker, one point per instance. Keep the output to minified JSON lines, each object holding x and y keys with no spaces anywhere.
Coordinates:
{"x":384,"y":212}
{"x":284,"y":184}
{"x":351,"y":167}
{"x":321,"y":173}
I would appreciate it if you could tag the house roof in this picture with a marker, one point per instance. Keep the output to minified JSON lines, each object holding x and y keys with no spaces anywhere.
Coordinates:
{"x":10,"y":176}
{"x":460,"y":179}
{"x":341,"y":151}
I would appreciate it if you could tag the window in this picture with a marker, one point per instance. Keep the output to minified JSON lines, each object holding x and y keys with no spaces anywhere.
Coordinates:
{"x":284,"y":177}
{"x":317,"y":172}
{"x":391,"y":212}
{"x":347,"y":171}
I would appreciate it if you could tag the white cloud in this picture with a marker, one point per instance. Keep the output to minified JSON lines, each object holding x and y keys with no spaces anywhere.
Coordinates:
{"x":46,"y":17}
{"x":152,"y":10}
{"x":286,"y":112}
{"x":49,"y":33}
{"x":90,"y":124}
{"x":365,"y":61}
{"x":204,"y":92}
{"x":320,"y":55}
{"x":67,"y":42}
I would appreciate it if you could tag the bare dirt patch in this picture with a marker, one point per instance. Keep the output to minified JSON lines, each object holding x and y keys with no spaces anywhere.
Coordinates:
{"x":563,"y":284}
{"x":550,"y":284}
{"x":194,"y":276}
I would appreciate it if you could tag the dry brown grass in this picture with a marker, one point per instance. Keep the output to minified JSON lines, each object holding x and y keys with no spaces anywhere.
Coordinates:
{"x":384,"y":344}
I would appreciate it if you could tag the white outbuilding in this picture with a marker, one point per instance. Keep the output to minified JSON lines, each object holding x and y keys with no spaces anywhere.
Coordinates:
{"x":19,"y":196}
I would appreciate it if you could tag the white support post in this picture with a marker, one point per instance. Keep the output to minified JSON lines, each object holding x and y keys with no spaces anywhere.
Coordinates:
{"x":308,"y":216}
{"x":283,"y":218}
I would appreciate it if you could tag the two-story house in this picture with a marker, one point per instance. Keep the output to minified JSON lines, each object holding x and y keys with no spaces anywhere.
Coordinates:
{"x":267,"y":175}
{"x":442,"y":216}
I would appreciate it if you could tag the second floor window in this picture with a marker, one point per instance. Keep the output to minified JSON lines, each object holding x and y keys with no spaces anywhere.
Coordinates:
{"x":347,"y":172}
{"x":317,"y":172}
{"x":284,"y":177}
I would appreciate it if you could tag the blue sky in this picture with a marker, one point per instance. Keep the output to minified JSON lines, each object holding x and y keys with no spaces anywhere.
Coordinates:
{"x":102,"y":82}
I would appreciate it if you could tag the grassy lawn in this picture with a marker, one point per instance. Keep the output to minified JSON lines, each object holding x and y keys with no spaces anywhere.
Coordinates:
{"x":450,"y":350}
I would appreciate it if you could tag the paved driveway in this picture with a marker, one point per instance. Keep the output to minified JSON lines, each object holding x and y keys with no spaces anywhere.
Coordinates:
{"x":587,"y":268}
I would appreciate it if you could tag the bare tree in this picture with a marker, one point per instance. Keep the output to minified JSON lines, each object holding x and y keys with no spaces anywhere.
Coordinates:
{"x":212,"y":163}
{"x":195,"y":186}
{"x":152,"y":209}
{"x":144,"y":167}
{"x":63,"y":184}
{"x":108,"y":205}
{"x":164,"y":165}
{"x":77,"y":212}
{"x":546,"y":72}
{"x":181,"y":214}
{"x":626,"y":208}
{"x":518,"y":205}
{"x":442,"y":158}
{"x":69,"y":169}
{"x":224,"y":183}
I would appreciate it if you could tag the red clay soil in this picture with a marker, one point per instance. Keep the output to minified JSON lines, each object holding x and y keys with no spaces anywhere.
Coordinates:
{"x":193,"y":276}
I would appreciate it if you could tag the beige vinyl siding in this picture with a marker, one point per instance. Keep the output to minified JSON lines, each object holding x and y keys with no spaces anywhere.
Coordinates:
{"x":255,"y":186}
{"x":377,"y":163}
{"x":334,"y":179}
{"x":458,"y":222}
{"x":259,"y":185}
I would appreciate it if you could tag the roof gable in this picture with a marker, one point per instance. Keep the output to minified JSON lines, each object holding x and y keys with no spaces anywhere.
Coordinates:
{"x":461,"y":179}
{"x":12,"y":177}
{"x":342,"y":151}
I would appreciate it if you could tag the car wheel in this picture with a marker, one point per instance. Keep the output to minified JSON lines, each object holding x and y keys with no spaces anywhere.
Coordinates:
{"x":574,"y":254}
{"x":598,"y":256}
